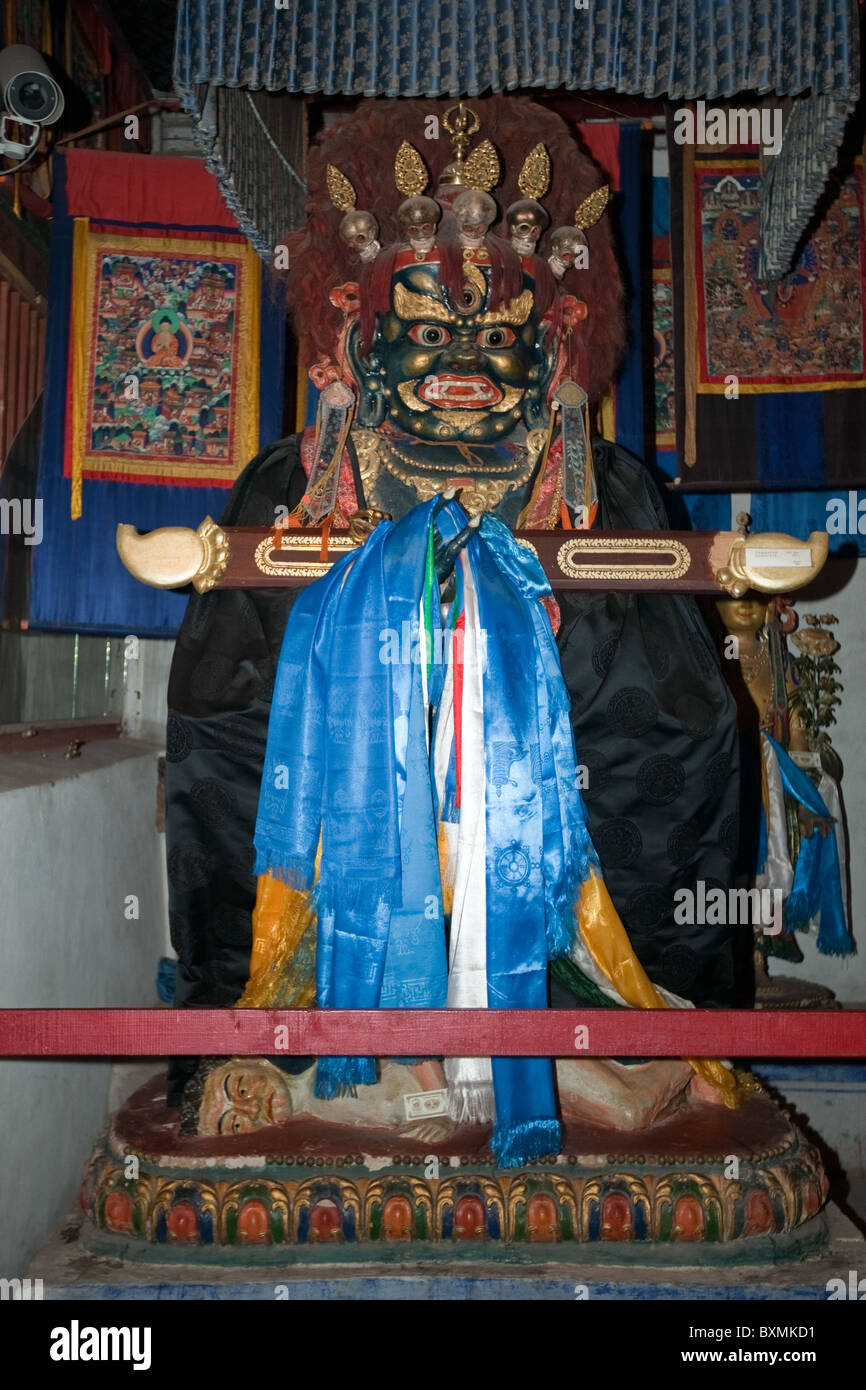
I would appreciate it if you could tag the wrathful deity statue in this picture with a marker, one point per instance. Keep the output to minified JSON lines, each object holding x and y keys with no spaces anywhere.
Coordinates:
{"x":426,"y":780}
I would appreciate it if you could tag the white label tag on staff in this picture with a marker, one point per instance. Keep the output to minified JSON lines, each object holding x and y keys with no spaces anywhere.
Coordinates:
{"x":778,"y":559}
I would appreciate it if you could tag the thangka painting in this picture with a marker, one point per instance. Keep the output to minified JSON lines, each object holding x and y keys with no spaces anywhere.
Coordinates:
{"x":165,"y":353}
{"x":805,"y":333}
{"x":771,"y":375}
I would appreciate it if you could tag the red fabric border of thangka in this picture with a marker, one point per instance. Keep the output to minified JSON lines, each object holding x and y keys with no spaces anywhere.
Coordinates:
{"x":799,"y":383}
{"x":436,"y":1032}
{"x":99,"y":228}
{"x":138,"y":188}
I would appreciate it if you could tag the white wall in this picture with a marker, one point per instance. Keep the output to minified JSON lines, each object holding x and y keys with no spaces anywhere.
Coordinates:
{"x":145,"y":686}
{"x":79,"y":837}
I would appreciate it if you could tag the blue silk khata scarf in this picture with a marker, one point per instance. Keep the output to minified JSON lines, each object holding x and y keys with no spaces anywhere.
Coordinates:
{"x":348,"y":759}
{"x":817,"y":887}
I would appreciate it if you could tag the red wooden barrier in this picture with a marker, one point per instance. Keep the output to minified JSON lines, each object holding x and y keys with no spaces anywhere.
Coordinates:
{"x":433,"y":1032}
{"x":667,"y":561}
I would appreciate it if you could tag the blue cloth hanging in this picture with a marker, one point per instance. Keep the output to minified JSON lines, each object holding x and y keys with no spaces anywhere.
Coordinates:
{"x":817,"y":886}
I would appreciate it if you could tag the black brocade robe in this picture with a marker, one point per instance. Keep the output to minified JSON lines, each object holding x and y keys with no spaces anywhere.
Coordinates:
{"x":654,"y":724}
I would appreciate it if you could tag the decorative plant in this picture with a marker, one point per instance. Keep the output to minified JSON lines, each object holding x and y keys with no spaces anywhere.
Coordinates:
{"x":817,"y":692}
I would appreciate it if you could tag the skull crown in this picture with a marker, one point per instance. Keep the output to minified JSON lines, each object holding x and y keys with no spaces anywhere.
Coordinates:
{"x":526,"y":220}
{"x":360,"y":231}
{"x":569,"y":246}
{"x":418,"y":219}
{"x":474,"y":211}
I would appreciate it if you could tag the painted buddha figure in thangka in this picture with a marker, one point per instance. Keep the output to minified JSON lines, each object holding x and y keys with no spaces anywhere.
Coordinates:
{"x":459,"y":306}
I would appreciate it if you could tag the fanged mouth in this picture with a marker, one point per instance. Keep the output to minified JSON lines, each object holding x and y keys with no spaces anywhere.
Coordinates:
{"x":459,"y":392}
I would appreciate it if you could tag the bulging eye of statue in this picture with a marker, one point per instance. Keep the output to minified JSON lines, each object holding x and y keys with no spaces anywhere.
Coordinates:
{"x":429,"y":334}
{"x":495,"y":337}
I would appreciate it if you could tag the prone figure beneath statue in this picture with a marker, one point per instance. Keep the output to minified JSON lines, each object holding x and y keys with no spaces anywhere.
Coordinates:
{"x":242,"y":1095}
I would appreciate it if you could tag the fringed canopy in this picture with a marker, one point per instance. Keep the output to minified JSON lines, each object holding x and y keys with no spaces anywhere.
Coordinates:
{"x":228,"y":50}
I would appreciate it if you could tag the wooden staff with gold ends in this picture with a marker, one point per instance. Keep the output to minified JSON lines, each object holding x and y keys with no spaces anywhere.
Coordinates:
{"x":696,"y":562}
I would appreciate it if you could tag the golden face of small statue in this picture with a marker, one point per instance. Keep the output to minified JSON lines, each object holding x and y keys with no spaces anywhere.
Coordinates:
{"x":743,"y":615}
{"x":242,"y":1095}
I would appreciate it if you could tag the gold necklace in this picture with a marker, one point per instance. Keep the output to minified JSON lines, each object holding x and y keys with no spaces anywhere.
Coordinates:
{"x":482,"y":495}
{"x":752,"y":666}
{"x":395,"y":453}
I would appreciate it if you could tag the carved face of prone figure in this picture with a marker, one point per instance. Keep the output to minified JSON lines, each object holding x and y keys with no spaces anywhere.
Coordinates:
{"x":447,"y":372}
{"x":474,"y":211}
{"x":360,"y":231}
{"x":526,"y":220}
{"x":242,"y":1095}
{"x":418,"y":219}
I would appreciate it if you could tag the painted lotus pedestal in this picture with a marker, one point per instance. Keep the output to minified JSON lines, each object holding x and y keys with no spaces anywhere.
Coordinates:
{"x":437,"y":777}
{"x":702,"y":1184}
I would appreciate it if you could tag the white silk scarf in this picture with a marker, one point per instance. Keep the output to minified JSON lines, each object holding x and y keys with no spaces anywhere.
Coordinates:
{"x":470,"y":1079}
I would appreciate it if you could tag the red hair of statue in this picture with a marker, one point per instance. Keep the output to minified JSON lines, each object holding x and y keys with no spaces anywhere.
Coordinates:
{"x":363,"y":146}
